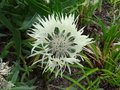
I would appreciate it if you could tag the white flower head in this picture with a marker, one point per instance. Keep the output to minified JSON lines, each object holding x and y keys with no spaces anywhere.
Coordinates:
{"x":59,"y":42}
{"x":4,"y":68}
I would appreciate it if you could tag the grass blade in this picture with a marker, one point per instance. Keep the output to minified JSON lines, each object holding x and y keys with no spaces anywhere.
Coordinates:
{"x":15,"y":33}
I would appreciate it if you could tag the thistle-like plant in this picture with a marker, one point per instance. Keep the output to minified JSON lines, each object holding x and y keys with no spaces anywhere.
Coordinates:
{"x":58,"y":41}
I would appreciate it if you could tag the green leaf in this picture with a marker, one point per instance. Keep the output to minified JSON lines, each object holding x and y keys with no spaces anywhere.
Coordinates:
{"x":4,"y":54}
{"x":29,"y":19}
{"x":84,"y":76}
{"x":23,"y":88}
{"x":72,"y":80}
{"x":99,"y":89}
{"x":39,"y":7}
{"x":99,"y":22}
{"x":15,"y":33}
{"x":5,"y":51}
{"x":2,"y":35}
{"x":72,"y":88}
{"x":15,"y":72}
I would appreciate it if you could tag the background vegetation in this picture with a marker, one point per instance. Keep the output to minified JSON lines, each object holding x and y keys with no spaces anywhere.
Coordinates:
{"x":101,"y":69}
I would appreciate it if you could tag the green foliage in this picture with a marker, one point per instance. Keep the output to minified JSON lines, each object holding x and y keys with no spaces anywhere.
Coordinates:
{"x":105,"y":54}
{"x":15,"y":33}
{"x":102,"y":57}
